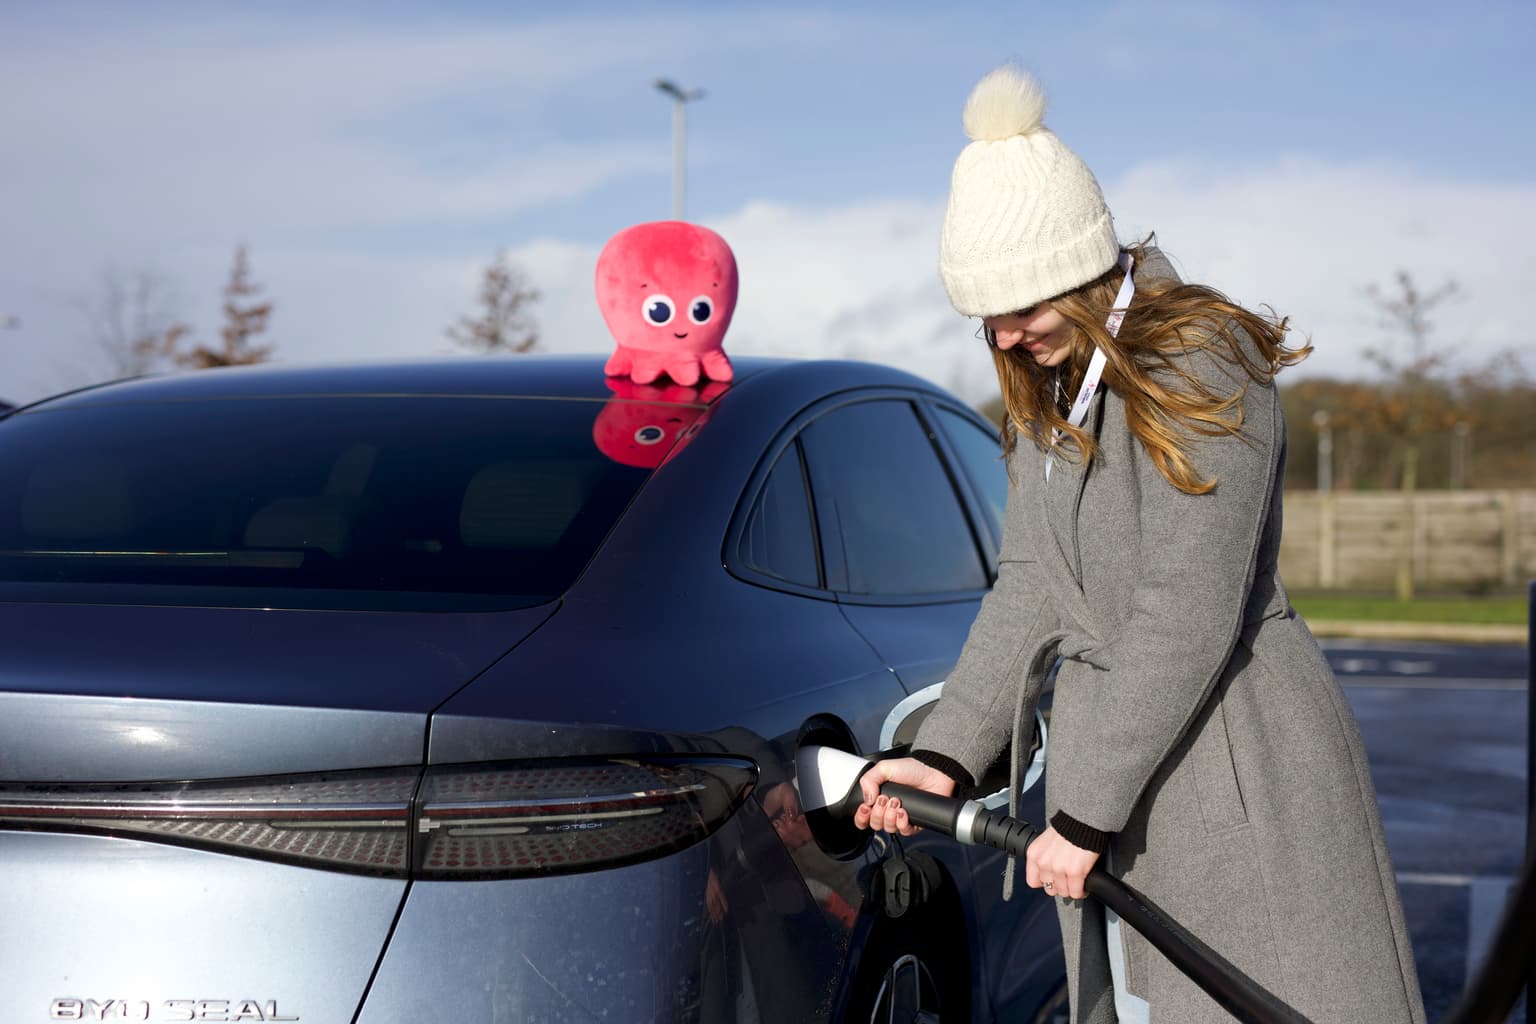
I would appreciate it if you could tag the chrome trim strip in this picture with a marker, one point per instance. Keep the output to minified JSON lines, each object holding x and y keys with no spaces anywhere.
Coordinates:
{"x":905,"y":707}
{"x":965,"y":822}
{"x":151,"y":810}
{"x":994,"y":801}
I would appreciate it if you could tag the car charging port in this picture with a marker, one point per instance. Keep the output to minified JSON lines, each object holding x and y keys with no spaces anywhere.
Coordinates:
{"x":835,"y":836}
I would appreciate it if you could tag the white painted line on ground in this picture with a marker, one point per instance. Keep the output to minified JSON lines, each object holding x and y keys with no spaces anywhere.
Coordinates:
{"x":1419,"y":878}
{"x":1486,"y":897}
{"x":1342,"y":643}
{"x":1441,"y":683}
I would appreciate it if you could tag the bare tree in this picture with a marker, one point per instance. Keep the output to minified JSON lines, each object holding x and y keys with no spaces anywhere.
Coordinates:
{"x":128,"y":314}
{"x":505,"y":323}
{"x":1412,"y":403}
{"x":244,"y":319}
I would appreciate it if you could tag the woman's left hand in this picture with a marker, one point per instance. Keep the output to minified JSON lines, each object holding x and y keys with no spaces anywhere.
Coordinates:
{"x":1050,"y":858}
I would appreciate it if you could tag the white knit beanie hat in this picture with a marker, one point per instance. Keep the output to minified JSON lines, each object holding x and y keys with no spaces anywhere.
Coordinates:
{"x":1026,"y":220}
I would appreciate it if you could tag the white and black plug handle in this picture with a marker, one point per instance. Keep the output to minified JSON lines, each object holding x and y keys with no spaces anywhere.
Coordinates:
{"x":829,"y":783}
{"x":829,"y":780}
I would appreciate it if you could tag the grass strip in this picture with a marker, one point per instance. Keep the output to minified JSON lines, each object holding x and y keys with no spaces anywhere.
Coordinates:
{"x":1502,"y":611}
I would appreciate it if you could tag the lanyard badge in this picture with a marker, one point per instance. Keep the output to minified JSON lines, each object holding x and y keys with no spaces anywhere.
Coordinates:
{"x":1096,"y":364}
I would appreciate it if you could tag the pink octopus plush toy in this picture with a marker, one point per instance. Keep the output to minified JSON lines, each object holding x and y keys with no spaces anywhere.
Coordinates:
{"x":667,"y":290}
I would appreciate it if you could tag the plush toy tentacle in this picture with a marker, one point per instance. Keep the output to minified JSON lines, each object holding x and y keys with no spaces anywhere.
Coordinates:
{"x":683,"y":368}
{"x":619,"y":363}
{"x":717,"y":365}
{"x":644,"y":367}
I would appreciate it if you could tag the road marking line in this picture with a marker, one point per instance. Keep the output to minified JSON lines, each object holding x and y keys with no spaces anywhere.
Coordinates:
{"x":1486,"y":897}
{"x":1418,"y":683}
{"x":1485,"y":906}
{"x":1421,"y":878}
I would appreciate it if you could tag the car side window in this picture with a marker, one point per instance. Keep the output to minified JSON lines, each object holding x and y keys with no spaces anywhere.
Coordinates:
{"x":981,"y":454}
{"x":779,"y":540}
{"x":884,"y":498}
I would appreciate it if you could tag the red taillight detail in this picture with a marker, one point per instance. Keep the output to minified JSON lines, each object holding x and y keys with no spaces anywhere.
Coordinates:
{"x":469,"y":821}
{"x":553,"y":817}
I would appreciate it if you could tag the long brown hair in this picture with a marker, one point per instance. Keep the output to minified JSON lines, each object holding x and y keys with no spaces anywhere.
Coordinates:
{"x":1164,"y":403}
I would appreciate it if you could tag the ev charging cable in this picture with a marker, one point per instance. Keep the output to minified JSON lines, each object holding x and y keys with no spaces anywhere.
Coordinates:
{"x":829,"y":783}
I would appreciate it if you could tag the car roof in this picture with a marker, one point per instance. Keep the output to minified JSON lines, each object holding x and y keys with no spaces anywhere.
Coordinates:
{"x":535,"y":375}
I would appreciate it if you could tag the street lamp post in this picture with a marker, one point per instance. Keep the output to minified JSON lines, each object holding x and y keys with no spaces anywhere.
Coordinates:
{"x":1324,"y":451}
{"x":680,"y":100}
{"x":1461,"y":445}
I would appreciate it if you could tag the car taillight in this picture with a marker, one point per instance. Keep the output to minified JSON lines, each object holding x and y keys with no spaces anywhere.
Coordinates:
{"x":467,"y":821}
{"x":357,"y":821}
{"x":561,"y":816}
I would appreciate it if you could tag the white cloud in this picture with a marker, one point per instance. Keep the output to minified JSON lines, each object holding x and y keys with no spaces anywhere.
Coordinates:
{"x":1307,"y":237}
{"x":859,"y":280}
{"x":1303,"y":236}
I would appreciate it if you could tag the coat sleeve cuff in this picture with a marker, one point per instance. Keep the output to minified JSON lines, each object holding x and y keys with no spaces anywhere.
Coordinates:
{"x":964,"y":784}
{"x":1082,"y":836}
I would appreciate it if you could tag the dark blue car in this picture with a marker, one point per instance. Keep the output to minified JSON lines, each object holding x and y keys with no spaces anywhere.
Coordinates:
{"x":471,"y":691}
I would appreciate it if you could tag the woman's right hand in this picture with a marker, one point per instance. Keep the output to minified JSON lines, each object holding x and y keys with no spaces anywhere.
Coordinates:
{"x":884,"y":814}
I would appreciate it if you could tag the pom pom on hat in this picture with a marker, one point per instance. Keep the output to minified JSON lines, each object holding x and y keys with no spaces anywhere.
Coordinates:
{"x":1026,"y":219}
{"x":1007,"y":102}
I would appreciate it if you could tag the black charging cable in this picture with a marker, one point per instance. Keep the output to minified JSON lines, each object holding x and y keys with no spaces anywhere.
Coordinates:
{"x":1487,"y":1000}
{"x":828,"y":780}
{"x":972,"y":823}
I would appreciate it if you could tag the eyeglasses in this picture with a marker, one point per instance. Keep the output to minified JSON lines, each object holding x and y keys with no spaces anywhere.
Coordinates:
{"x":988,"y":335}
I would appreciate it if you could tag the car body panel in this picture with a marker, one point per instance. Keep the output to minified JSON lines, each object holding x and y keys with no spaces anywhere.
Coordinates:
{"x":272,"y":656}
{"x":109,"y":919}
{"x":641,"y":674}
{"x":219,"y":693}
{"x":63,"y":738}
{"x":724,"y":930}
{"x":921,"y":643}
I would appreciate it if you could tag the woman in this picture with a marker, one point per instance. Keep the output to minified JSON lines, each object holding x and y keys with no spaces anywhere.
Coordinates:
{"x":1199,"y":742}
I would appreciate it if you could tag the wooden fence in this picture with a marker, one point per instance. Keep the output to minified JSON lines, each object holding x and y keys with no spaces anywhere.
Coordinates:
{"x":1470,"y":540}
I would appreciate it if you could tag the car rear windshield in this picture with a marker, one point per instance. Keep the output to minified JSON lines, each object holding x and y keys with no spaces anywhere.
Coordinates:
{"x":317,"y":501}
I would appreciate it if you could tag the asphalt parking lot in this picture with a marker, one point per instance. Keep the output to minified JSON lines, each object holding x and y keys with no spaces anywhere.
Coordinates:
{"x":1446,"y":729}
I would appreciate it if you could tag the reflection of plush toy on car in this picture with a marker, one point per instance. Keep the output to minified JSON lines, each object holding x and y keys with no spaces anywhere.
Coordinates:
{"x":646,"y":424}
{"x":667,"y":290}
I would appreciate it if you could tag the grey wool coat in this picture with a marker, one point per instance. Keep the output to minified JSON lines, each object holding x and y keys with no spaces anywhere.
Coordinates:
{"x":1194,"y":719}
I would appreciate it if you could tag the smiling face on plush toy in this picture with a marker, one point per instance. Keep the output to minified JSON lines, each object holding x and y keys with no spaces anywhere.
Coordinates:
{"x":667,"y":291}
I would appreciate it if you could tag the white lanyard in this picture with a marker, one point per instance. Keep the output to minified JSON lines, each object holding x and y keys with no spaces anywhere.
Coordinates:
{"x":1096,"y":364}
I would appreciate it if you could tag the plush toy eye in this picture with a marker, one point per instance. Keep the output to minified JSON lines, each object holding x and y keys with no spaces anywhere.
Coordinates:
{"x":658,"y":310}
{"x":701,"y":309}
{"x":649,"y":435}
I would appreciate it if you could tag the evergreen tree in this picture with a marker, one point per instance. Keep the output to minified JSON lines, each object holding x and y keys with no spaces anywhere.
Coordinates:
{"x":244,"y":319}
{"x":505,"y":323}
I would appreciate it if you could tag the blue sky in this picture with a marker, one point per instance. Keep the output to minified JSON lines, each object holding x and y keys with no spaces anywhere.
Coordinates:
{"x":374,"y":156}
